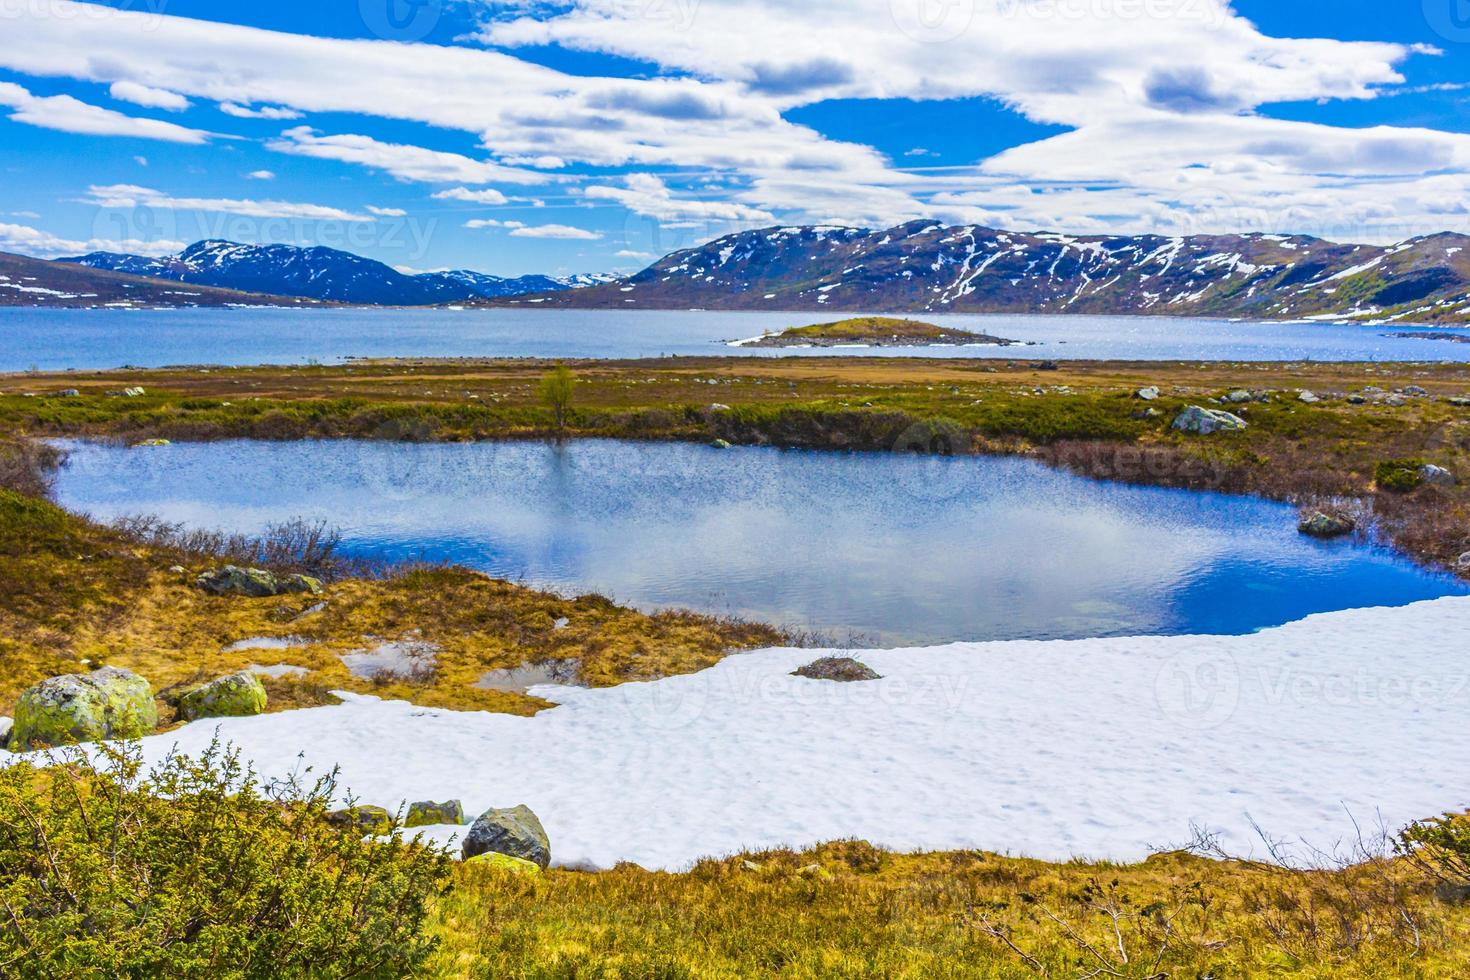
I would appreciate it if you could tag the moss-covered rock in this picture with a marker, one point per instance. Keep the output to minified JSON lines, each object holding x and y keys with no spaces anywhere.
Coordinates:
{"x":255,"y":583}
{"x":506,"y":863}
{"x":435,"y":814}
{"x":107,"y":703}
{"x":515,"y":831}
{"x":1323,"y":525}
{"x":368,"y":820}
{"x":235,"y":696}
{"x":843,"y":669}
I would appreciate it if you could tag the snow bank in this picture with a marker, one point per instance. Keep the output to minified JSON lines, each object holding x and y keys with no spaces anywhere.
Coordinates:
{"x":1097,"y":748}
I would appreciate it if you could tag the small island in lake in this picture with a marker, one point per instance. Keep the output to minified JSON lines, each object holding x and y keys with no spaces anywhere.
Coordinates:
{"x":874,"y":331}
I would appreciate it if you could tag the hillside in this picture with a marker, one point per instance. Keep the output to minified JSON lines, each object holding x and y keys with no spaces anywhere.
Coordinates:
{"x":25,"y":281}
{"x":323,"y":274}
{"x":926,"y":267}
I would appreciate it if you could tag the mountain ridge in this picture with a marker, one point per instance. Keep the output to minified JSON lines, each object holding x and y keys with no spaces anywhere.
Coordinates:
{"x":927,"y":267}
{"x":321,"y":273}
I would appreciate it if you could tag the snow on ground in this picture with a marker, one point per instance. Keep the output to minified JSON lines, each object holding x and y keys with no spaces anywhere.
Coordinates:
{"x":1097,"y":748}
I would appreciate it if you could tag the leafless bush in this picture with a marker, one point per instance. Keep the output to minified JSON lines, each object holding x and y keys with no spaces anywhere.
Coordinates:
{"x":295,"y":547}
{"x":29,"y":467}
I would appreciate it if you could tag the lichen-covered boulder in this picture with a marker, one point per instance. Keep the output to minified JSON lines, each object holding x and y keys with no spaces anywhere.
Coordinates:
{"x":367,"y":820}
{"x":506,"y":863}
{"x":1321,"y":525}
{"x":1195,"y":420}
{"x":844,"y":669}
{"x":434,"y":814}
{"x":235,"y":696}
{"x":1436,"y":476}
{"x":107,"y":703}
{"x":515,"y":831}
{"x":255,"y":583}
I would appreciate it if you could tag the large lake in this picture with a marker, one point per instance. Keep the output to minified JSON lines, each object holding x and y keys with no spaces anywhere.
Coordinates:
{"x":94,"y":339}
{"x":866,"y":549}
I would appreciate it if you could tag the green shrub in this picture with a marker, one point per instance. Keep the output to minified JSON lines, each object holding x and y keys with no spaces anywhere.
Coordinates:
{"x":1441,"y":849}
{"x":1399,"y":475}
{"x":195,"y":869}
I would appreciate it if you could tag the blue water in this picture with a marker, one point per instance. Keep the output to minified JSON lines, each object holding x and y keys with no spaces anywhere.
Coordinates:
{"x":867,"y":549}
{"x":54,"y":340}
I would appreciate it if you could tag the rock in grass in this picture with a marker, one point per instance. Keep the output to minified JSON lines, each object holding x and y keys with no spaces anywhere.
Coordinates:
{"x":506,"y":863}
{"x":1308,"y":397}
{"x":107,"y":703}
{"x":515,"y":832}
{"x":843,"y":669}
{"x":1321,"y":525}
{"x":1238,"y":397}
{"x":368,"y":820}
{"x":236,"y":696}
{"x":1195,"y":420}
{"x":6,"y":725}
{"x":255,"y":583}
{"x":1436,"y":476}
{"x":1147,"y":394}
{"x":434,"y":814}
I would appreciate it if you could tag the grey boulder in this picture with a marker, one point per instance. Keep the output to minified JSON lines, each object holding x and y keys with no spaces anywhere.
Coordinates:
{"x":1207,"y":421}
{"x":515,"y":832}
{"x":255,"y":583}
{"x":1436,"y":476}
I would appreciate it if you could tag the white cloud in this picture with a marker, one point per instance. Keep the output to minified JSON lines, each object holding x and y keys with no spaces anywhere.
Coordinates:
{"x":129,"y":196}
{"x":152,"y":98}
{"x":628,"y":253}
{"x":519,"y":229}
{"x":488,"y":195}
{"x":405,"y":162}
{"x":649,"y":196}
{"x":1160,"y":95}
{"x":41,"y":244}
{"x":260,"y":175}
{"x":387,"y":212}
{"x":264,"y":112}
{"x":69,"y":115}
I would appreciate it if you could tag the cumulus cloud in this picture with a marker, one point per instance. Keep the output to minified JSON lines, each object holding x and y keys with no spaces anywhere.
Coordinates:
{"x":152,"y":98}
{"x":39,"y":244}
{"x":486,"y":195}
{"x":260,"y":175}
{"x":263,"y":112}
{"x":647,"y":195}
{"x":130,"y":196}
{"x":519,"y":229}
{"x":411,"y":163}
{"x":386,"y":212}
{"x":69,"y":115}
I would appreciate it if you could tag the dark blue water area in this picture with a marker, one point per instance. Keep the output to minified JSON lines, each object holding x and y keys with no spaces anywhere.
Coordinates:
{"x":58,"y":340}
{"x":864,"y":549}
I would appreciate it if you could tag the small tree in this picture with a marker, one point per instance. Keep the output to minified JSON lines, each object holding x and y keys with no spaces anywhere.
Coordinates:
{"x":557,"y":388}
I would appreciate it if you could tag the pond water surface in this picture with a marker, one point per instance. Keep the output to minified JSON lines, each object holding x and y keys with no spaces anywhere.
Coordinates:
{"x":864,"y":548}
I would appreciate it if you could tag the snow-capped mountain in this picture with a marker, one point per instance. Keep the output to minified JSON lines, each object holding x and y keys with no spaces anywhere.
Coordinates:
{"x":927,"y":267}
{"x":323,"y":274}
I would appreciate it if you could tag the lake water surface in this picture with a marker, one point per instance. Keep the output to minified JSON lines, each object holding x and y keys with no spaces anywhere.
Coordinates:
{"x":869,"y":549}
{"x":54,"y":340}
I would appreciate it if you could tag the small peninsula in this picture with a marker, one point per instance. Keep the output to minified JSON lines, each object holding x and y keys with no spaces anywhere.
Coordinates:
{"x":874,"y":331}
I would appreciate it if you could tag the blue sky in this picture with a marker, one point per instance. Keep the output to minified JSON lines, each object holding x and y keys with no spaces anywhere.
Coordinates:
{"x":596,"y":135}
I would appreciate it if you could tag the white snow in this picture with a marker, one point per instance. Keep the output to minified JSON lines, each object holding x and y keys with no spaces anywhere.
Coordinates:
{"x":1097,"y":748}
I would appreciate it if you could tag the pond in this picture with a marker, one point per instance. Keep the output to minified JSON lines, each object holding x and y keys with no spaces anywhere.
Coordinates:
{"x":863,"y":549}
{"x":57,"y":340}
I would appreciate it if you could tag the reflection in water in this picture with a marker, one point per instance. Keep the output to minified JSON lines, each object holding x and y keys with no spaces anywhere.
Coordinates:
{"x":883,"y":549}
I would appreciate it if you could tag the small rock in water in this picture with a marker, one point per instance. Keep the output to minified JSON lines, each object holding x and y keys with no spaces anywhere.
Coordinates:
{"x":434,"y":814}
{"x":369,"y":820}
{"x":515,"y":832}
{"x":1207,"y":421}
{"x":1463,"y":562}
{"x":1147,"y":394}
{"x":238,"y":695}
{"x":719,"y":444}
{"x":844,"y":669}
{"x":1321,"y":525}
{"x":1436,"y":476}
{"x":151,"y":443}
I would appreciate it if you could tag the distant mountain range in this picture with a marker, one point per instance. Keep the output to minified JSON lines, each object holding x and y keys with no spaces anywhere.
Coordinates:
{"x":930,"y":268}
{"x":25,"y":281}
{"x":323,"y":274}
